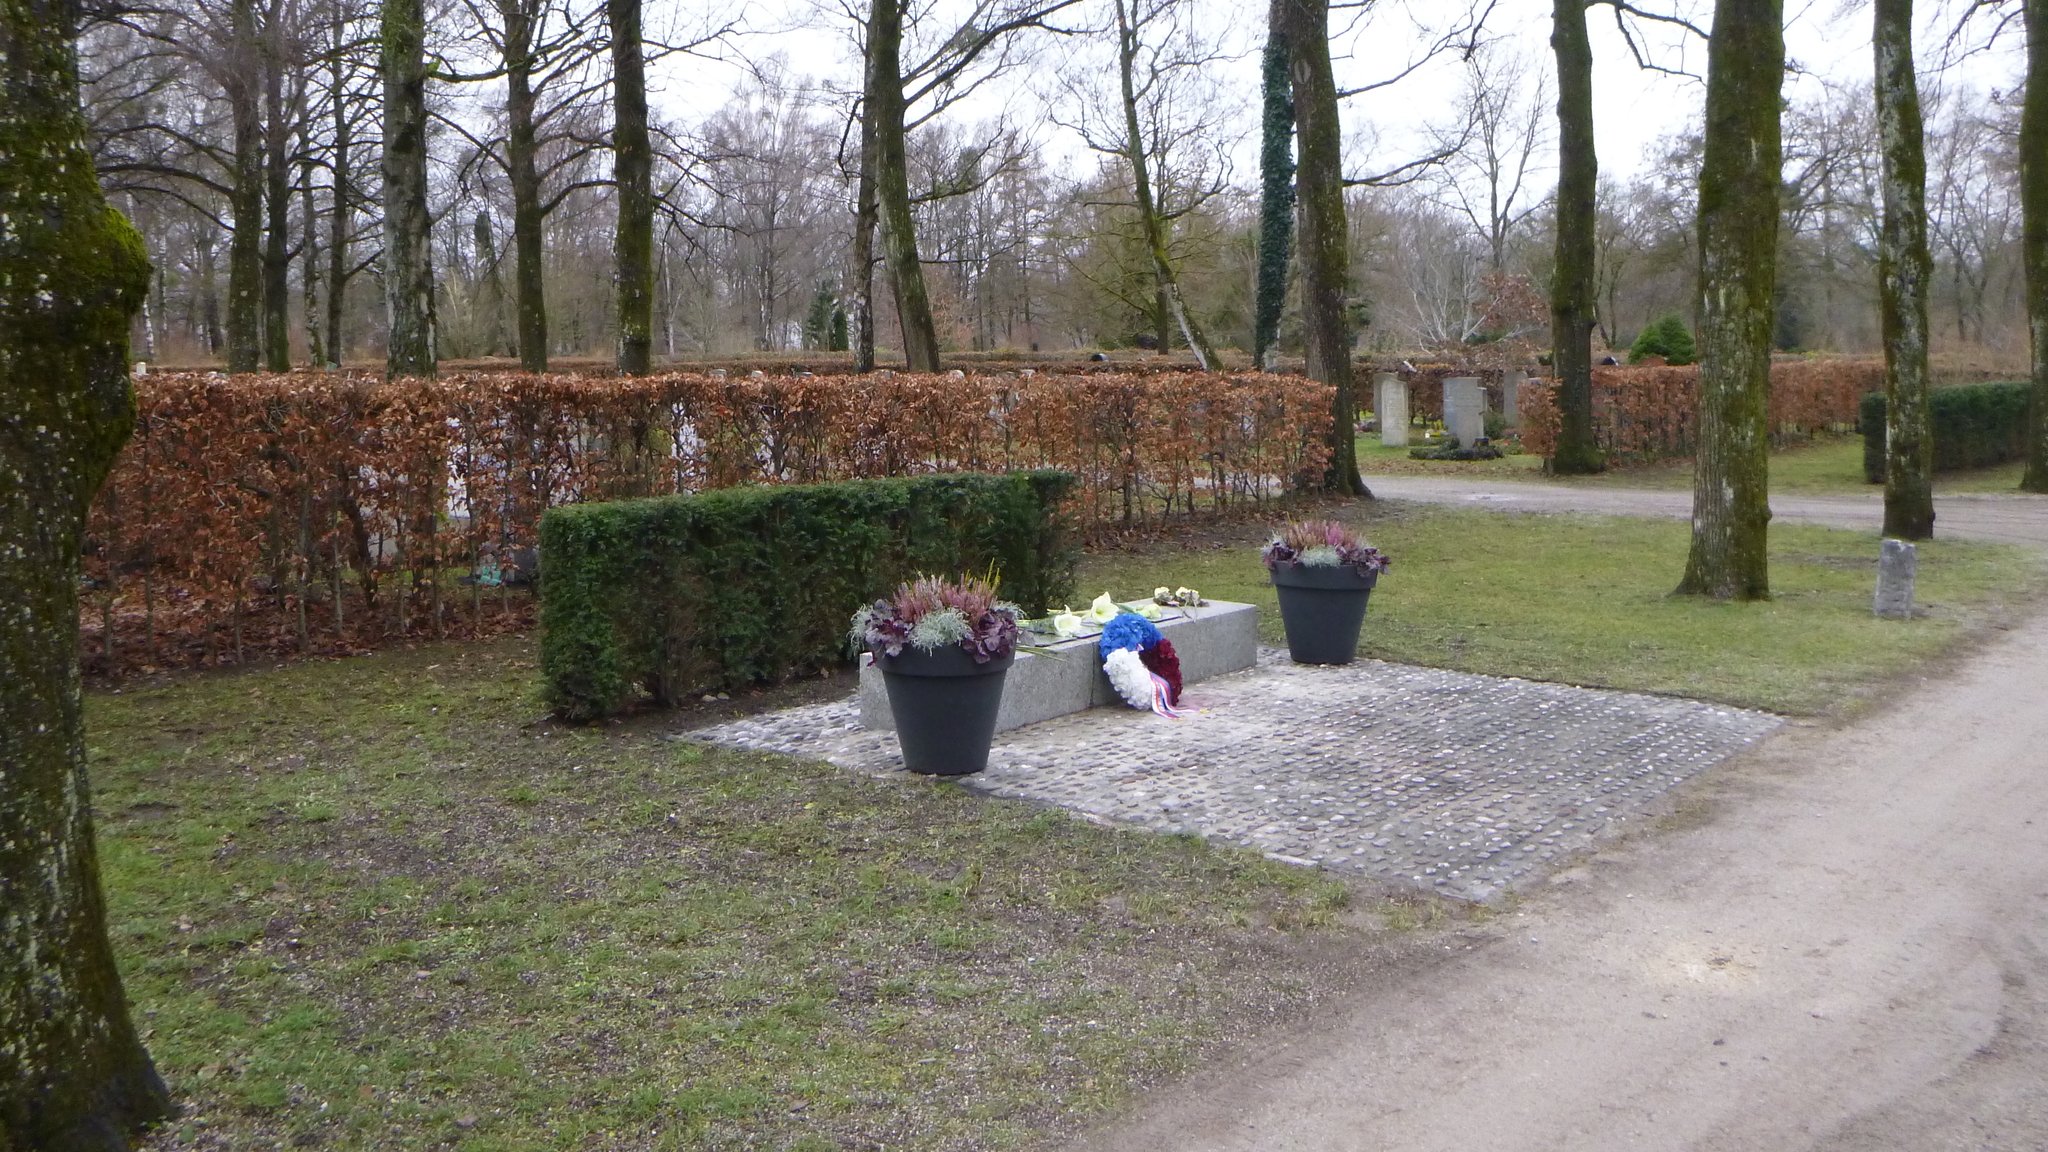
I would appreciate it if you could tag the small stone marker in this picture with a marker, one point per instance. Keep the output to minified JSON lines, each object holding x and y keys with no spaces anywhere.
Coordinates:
{"x":1896,"y":562}
{"x":1511,"y":397}
{"x":1390,"y":406}
{"x":1464,"y":410}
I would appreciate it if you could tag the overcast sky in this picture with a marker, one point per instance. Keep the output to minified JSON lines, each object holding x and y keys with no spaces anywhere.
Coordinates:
{"x":1827,"y":40}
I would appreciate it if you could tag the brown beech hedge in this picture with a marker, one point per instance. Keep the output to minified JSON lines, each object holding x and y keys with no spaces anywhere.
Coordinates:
{"x":1649,"y":413}
{"x":261,"y":516}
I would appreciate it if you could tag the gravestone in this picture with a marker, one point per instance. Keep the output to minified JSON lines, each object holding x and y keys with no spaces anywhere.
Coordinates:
{"x":1390,"y":407}
{"x":1896,"y":562}
{"x":1511,"y":397}
{"x":1464,"y":410}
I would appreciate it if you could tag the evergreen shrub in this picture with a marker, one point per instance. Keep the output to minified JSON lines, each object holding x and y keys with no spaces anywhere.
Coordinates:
{"x":1974,"y":426}
{"x":1667,"y":337}
{"x":739,"y":586}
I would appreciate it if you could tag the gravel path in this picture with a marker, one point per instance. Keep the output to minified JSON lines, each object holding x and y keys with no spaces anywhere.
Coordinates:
{"x":2010,"y":518}
{"x":1453,"y":783}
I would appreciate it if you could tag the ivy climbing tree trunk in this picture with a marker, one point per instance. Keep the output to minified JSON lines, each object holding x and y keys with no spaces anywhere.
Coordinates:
{"x":1738,"y":237}
{"x":1276,"y":191}
{"x":73,"y":1073}
{"x":1572,"y":279}
{"x":633,"y":172}
{"x":408,"y":256}
{"x":2034,"y":236}
{"x":890,"y":163}
{"x":1325,"y":239}
{"x":1904,"y":270}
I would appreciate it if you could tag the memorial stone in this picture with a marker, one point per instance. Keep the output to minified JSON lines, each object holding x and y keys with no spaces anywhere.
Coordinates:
{"x":1464,"y":410}
{"x":1896,"y":562}
{"x":1511,"y":397}
{"x":1390,"y":406}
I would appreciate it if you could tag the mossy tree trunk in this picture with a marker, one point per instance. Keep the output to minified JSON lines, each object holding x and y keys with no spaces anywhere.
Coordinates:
{"x":245,"y":190}
{"x":1325,"y":240}
{"x":1572,"y":292}
{"x":2034,"y":236}
{"x":342,"y":161}
{"x":408,"y":256}
{"x":1904,"y":271}
{"x":529,"y":272}
{"x":633,"y":172}
{"x":277,"y":203}
{"x":1738,"y":237}
{"x":1276,"y":191}
{"x":73,"y":1073}
{"x":885,"y":103}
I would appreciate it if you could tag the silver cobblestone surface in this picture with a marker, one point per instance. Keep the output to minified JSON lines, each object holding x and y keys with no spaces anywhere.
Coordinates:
{"x":1453,"y":783}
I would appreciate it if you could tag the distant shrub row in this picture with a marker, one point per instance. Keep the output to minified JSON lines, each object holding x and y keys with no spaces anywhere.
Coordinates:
{"x":1975,"y":426}
{"x":669,"y":596}
{"x":1651,"y":413}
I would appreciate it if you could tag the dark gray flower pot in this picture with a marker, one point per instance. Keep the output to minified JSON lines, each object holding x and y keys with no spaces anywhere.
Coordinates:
{"x":1322,"y":610}
{"x":945,"y":707}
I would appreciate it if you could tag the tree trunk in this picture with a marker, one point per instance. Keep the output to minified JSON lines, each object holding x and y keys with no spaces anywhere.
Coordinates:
{"x":338,"y":224}
{"x":1172,"y":308}
{"x":884,"y":96}
{"x":864,"y":224}
{"x":1276,"y":193}
{"x":73,"y":1073}
{"x":309,"y":252}
{"x":1325,"y":242}
{"x":1904,"y":272}
{"x":1572,"y":293}
{"x":1738,"y":236}
{"x":408,"y":253}
{"x":209,"y":288}
{"x":2034,"y":233}
{"x":529,"y":283}
{"x":277,"y":203}
{"x":245,"y":198}
{"x":496,"y":339}
{"x":633,"y":160}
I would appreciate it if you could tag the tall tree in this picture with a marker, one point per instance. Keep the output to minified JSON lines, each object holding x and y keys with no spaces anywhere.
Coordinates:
{"x":2034,"y":236}
{"x":1904,"y":272}
{"x":242,"y":77}
{"x":633,"y":172}
{"x":1572,"y":284}
{"x":1738,"y":237}
{"x":73,"y":1073}
{"x":886,"y":103}
{"x":1325,"y":240}
{"x":408,"y":244}
{"x":1276,"y":190}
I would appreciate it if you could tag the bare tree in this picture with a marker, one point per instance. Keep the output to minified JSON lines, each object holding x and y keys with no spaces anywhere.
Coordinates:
{"x":1904,"y":270}
{"x":408,"y":256}
{"x":73,"y":1073}
{"x":1738,"y":228}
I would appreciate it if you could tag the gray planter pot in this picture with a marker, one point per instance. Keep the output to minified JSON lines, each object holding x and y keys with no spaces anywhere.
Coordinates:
{"x":1323,"y":610}
{"x":945,"y":707}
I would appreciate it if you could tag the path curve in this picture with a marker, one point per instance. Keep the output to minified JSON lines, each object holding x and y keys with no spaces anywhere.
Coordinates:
{"x":2010,"y":518}
{"x":1847,"y":949}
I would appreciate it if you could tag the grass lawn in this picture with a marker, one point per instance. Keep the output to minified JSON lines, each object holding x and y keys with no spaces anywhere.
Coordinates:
{"x":1829,"y":467}
{"x":1586,"y":600}
{"x":380,"y":903}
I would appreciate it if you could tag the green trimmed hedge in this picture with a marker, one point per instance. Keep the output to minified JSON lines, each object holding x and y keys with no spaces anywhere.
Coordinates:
{"x":743,"y":586}
{"x":1975,"y":426}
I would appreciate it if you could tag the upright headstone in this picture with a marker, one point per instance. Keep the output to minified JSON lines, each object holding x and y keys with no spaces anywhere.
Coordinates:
{"x":1464,"y":410}
{"x":1390,"y":407}
{"x":1896,"y":562}
{"x":1511,"y":397}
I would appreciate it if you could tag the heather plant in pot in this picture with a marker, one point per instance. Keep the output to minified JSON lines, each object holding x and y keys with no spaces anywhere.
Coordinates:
{"x":1324,"y":574}
{"x":942,"y":647}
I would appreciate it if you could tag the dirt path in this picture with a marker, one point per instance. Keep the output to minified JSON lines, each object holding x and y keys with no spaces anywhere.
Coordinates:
{"x":1841,"y":943}
{"x":2013,"y":518}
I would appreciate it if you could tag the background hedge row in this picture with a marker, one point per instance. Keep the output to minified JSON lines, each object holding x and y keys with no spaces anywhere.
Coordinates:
{"x":666,"y":597}
{"x":266,"y":515}
{"x":1642,"y":414}
{"x":1975,"y":426}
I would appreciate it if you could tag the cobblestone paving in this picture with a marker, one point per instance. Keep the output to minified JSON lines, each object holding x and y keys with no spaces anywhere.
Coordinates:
{"x":1458,"y":784}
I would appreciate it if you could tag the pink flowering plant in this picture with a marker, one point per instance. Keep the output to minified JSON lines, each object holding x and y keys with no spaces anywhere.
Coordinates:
{"x":1323,"y":544}
{"x":931,"y":613}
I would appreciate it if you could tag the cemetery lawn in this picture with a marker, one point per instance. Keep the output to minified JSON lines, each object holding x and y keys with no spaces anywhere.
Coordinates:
{"x":1586,"y":600}
{"x":1830,"y":466}
{"x":383,"y":903}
